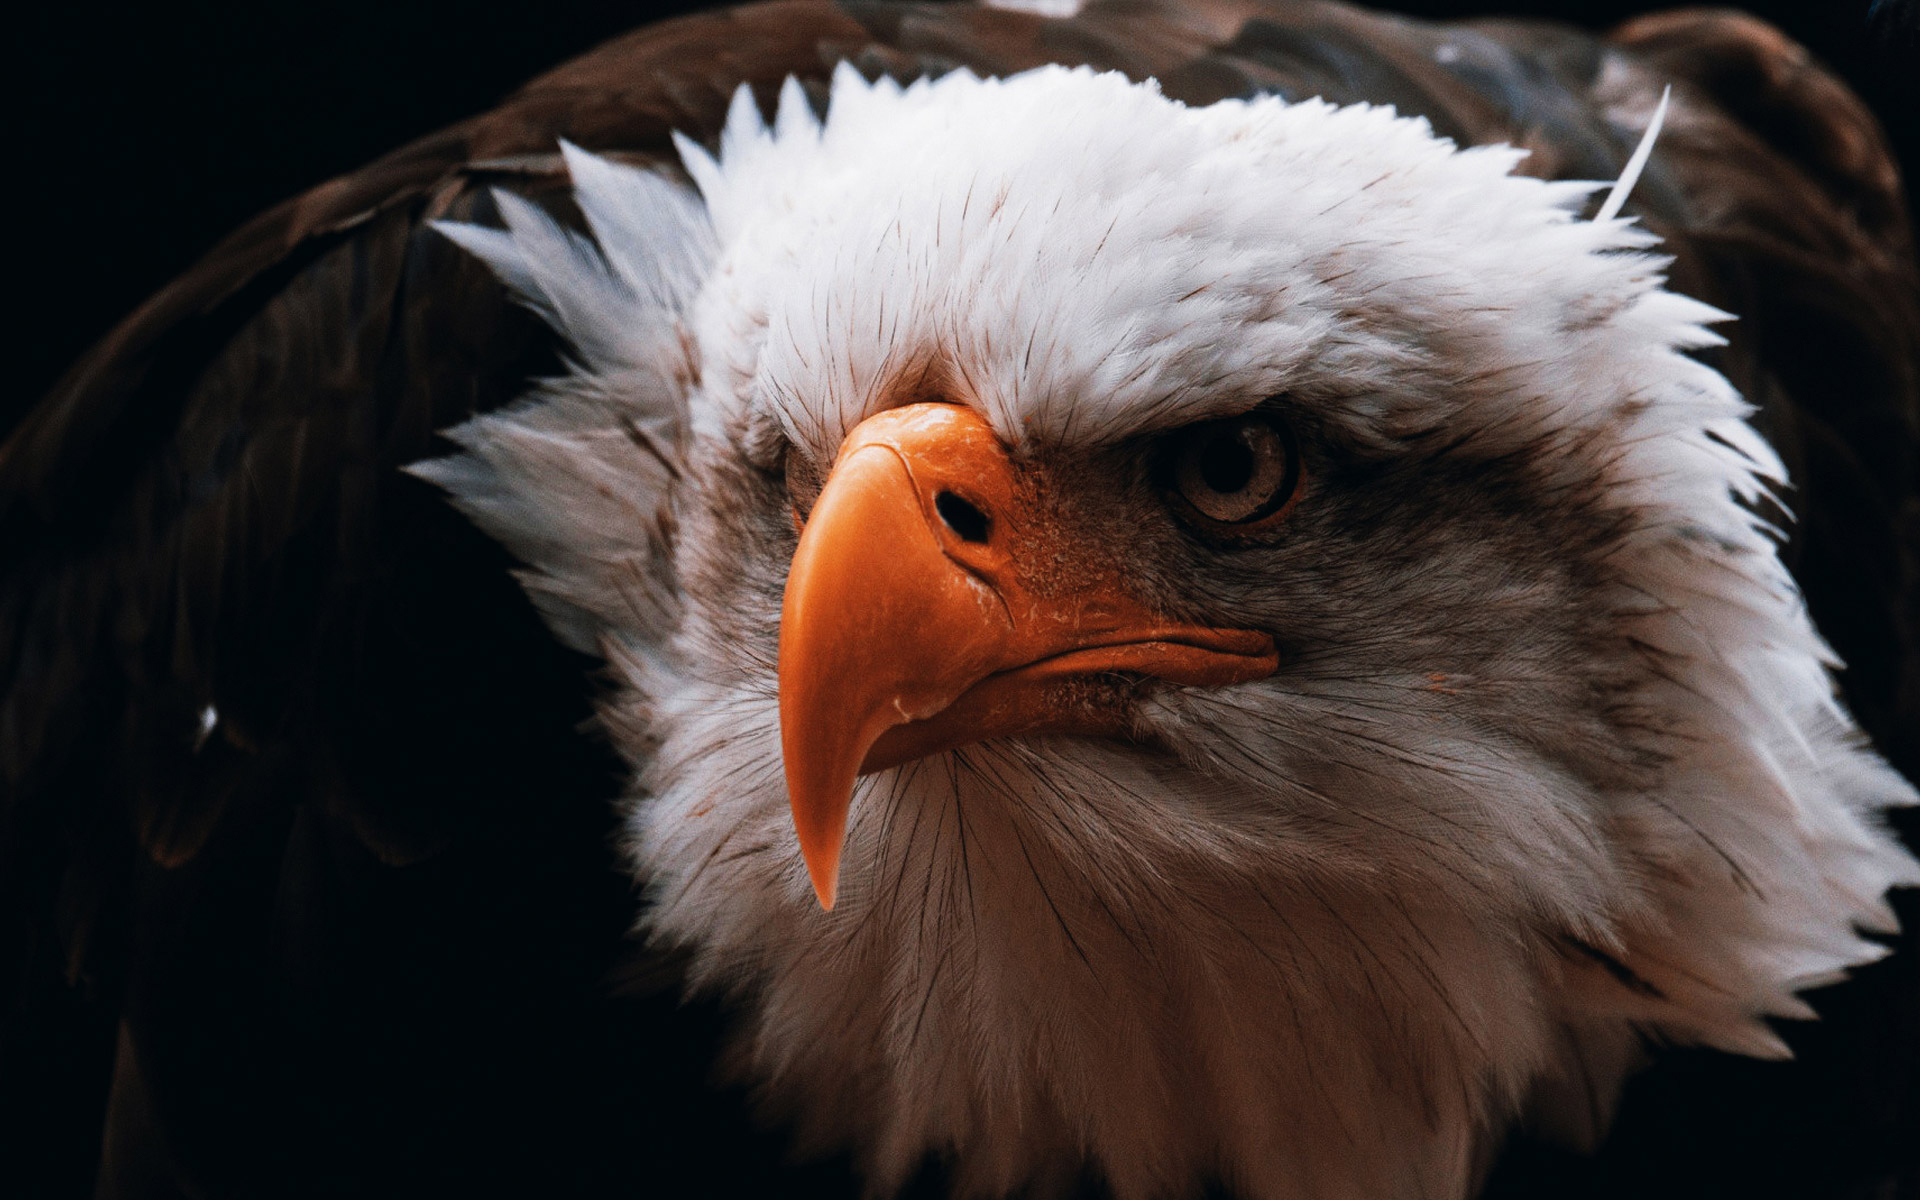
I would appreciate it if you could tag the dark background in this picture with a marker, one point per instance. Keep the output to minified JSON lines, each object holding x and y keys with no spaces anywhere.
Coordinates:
{"x":151,"y":130}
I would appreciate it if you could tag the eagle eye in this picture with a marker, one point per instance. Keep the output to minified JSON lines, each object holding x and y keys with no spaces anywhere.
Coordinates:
{"x":1240,"y":471}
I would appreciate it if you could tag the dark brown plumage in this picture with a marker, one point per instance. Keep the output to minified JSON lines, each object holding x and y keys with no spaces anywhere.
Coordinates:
{"x":312,"y":927}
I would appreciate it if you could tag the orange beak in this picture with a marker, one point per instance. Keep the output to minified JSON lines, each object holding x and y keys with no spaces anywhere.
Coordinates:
{"x":935,"y":600}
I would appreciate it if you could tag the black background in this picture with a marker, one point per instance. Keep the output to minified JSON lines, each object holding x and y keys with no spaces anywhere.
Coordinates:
{"x":152,"y":130}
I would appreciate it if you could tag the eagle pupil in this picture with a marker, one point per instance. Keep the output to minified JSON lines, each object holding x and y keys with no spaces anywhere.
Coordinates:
{"x":1226,"y":464}
{"x":961,"y":517}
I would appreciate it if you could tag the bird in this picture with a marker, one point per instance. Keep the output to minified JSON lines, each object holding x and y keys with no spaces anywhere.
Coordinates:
{"x":1145,"y":597}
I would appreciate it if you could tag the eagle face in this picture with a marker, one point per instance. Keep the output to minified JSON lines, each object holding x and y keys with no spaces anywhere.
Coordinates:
{"x":1218,"y":644}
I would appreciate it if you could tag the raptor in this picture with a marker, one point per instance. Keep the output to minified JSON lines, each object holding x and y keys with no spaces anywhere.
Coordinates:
{"x":1150,"y":598}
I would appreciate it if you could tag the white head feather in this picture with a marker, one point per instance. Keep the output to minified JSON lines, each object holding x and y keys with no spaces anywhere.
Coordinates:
{"x":1368,"y":910}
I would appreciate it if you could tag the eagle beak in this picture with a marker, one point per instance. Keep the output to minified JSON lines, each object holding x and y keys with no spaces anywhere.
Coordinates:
{"x":936,"y":599}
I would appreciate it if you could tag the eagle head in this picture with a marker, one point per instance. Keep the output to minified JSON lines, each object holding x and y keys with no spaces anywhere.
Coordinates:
{"x":1202,"y":644}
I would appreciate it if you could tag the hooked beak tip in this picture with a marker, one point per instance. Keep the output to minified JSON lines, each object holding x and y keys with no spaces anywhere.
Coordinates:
{"x":822,"y":827}
{"x":820,"y":811}
{"x":826,"y":885}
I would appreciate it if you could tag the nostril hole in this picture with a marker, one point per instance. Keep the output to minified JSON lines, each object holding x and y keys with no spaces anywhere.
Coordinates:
{"x":961,"y":517}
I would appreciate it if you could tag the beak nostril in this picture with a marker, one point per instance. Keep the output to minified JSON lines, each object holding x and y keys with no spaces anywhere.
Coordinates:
{"x":963,"y":518}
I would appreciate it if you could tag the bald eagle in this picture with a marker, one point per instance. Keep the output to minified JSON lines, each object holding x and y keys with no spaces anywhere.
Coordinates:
{"x":1171,"y":598}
